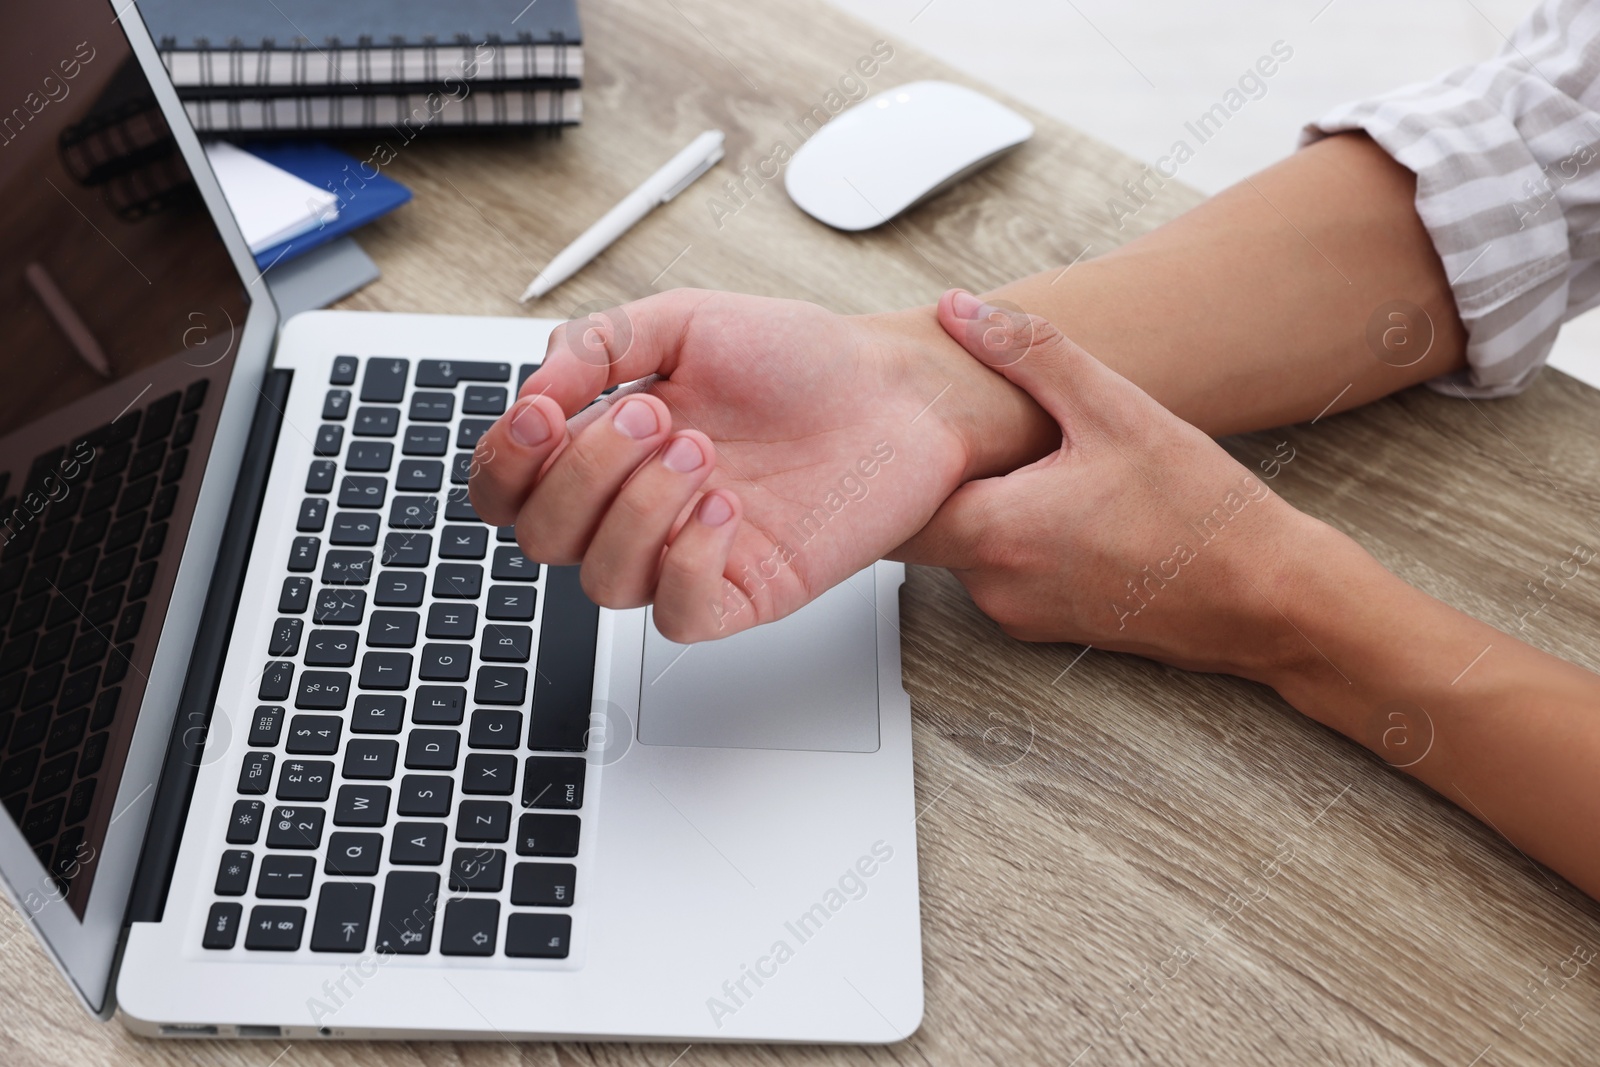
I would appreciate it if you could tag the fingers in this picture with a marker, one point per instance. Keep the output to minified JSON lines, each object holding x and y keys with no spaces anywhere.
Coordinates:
{"x":695,"y":601}
{"x":619,"y":569}
{"x":510,"y":455}
{"x":559,"y":518}
{"x":606,"y":348}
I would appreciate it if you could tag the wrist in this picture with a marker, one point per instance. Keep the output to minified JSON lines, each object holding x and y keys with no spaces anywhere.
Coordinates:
{"x":995,"y":426}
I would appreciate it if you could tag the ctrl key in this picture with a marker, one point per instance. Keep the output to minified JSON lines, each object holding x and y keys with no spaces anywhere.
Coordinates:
{"x":222,"y":925}
{"x":274,"y":928}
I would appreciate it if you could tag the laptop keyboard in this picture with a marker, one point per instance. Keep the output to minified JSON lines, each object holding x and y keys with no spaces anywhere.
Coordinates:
{"x":414,"y":773}
{"x":73,"y":584}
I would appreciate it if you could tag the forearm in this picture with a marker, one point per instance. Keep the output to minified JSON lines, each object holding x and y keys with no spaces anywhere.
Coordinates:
{"x":1507,"y":732}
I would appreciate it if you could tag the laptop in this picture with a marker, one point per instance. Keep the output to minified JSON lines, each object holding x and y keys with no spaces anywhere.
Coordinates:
{"x":294,"y":746}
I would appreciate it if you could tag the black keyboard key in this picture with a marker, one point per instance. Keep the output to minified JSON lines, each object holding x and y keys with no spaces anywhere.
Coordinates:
{"x":392,"y":629}
{"x":369,"y":456}
{"x":487,"y":775}
{"x":385,"y":380}
{"x":117,"y":665}
{"x":222,"y":926}
{"x":347,"y":567}
{"x":460,"y":468}
{"x":125,"y":531}
{"x":432,"y":750}
{"x":305,"y":780}
{"x":509,"y":685}
{"x":536,"y":935}
{"x":414,"y":512}
{"x":277,"y":680}
{"x":29,"y":731}
{"x":313,"y":515}
{"x":166,"y":498}
{"x":445,"y":373}
{"x":406,"y":548}
{"x":458,"y":581}
{"x":78,"y":689}
{"x":105,"y":709}
{"x":370,"y":759}
{"x":419,"y":476}
{"x":458,"y":507}
{"x":244,"y":825}
{"x":336,"y":405}
{"x":344,"y":912}
{"x":510,"y":565}
{"x":174,"y":468}
{"x":433,"y":407}
{"x":321,"y":691}
{"x":94,"y":753}
{"x":361,"y":805}
{"x":484,"y":400}
{"x":76,"y":569}
{"x":155,"y":539}
{"x":113,"y":570}
{"x":378,"y":714}
{"x":17,"y":772}
{"x":297,"y":827}
{"x":495,"y":729}
{"x":340,"y":607}
{"x":425,"y":441}
{"x":146,"y":461}
{"x":42,"y":687}
{"x":453,"y":620}
{"x":344,"y":370}
{"x":88,"y":649}
{"x":274,"y":928}
{"x":329,"y":440}
{"x":158,"y":418}
{"x":405,"y":921}
{"x":439,"y":705}
{"x":507,"y":644}
{"x":195,"y":395}
{"x":362,"y":491}
{"x":129,"y":621}
{"x":54,"y":646}
{"x":285,"y":877}
{"x":424,"y":794}
{"x":354,"y":528}
{"x":331,"y":648}
{"x":303,"y":552}
{"x":376,"y":422}
{"x":547,"y":835}
{"x":267,"y":726}
{"x":470,"y":431}
{"x":285,"y":640}
{"x":564,"y":686}
{"x":418,"y":844}
{"x":55,"y":777}
{"x":313,"y":735}
{"x":464,"y":542}
{"x":102,"y":607}
{"x":471,"y":927}
{"x":445,"y":663}
{"x":296,"y":596}
{"x":483,"y":821}
{"x":79,"y":802}
{"x":233,"y":872}
{"x":386,"y":670}
{"x":400,"y":589}
{"x":354,"y":855}
{"x":320,"y":477}
{"x":255,"y":776}
{"x":91,"y":529}
{"x":144,"y":577}
{"x":544,"y":885}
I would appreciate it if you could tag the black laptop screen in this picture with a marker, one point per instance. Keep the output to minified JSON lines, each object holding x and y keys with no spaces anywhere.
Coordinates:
{"x":117,"y":336}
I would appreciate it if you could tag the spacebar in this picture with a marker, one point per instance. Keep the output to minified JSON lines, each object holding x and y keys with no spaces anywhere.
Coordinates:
{"x":563,"y":684}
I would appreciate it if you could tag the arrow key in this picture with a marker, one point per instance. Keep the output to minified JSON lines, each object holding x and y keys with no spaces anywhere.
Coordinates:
{"x":471,"y":927}
{"x":344,"y":912}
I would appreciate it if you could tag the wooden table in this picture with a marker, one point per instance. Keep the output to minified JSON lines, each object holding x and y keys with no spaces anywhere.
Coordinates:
{"x":1120,"y":862}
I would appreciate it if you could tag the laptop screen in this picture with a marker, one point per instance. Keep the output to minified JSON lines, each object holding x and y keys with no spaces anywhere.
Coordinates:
{"x":120,"y":316}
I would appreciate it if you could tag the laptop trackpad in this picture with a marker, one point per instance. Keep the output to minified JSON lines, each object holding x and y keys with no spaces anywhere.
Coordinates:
{"x":807,"y":682}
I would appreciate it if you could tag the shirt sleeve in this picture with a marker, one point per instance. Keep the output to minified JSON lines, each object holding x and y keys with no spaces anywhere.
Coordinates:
{"x":1507,"y":159}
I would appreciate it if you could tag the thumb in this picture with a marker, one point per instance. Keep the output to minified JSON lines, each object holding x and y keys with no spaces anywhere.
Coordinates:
{"x":1031,"y":353}
{"x":951,"y":537}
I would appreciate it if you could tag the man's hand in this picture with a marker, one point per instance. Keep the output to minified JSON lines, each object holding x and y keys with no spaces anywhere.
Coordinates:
{"x":1138,"y":534}
{"x":778,"y":449}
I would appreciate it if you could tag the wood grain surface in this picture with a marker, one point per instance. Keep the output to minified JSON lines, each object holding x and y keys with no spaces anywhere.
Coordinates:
{"x":1121,"y":863}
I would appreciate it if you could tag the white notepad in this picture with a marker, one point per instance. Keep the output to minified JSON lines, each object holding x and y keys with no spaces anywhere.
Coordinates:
{"x":271,"y":204}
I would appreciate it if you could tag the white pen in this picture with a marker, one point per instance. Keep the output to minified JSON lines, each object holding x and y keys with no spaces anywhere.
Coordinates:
{"x":679,"y":173}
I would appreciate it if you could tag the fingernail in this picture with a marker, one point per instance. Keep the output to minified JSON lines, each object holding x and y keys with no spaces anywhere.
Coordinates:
{"x":714,"y":510}
{"x":965,"y":305}
{"x":683,"y":456}
{"x":529,"y":427}
{"x":635,"y":419}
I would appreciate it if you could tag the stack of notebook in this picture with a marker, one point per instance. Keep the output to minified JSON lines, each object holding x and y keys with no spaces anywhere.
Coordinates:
{"x":293,"y":66}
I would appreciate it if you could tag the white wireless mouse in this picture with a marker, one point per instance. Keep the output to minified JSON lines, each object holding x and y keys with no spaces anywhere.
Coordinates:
{"x":897,"y":149}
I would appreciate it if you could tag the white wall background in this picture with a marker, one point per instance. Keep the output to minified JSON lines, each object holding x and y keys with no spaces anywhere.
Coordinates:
{"x":1131,"y":73}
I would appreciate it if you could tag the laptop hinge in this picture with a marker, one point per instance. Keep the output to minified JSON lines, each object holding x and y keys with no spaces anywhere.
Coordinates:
{"x":189,"y":725}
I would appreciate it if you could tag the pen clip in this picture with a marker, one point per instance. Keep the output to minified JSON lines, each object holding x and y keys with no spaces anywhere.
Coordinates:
{"x":710,"y":161}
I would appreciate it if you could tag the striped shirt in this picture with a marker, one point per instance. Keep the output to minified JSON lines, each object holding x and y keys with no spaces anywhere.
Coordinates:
{"x":1507,"y":159}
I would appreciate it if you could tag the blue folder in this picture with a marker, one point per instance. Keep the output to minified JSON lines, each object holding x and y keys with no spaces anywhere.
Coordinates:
{"x":364,"y":192}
